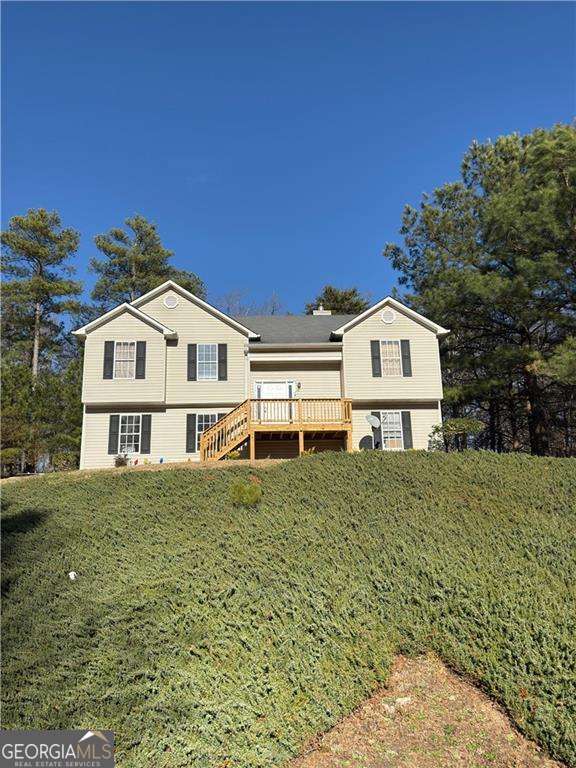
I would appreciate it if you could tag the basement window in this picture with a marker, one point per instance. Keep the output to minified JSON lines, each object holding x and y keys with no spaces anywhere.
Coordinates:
{"x":129,"y":441}
{"x":392,"y":437}
{"x":203,"y":421}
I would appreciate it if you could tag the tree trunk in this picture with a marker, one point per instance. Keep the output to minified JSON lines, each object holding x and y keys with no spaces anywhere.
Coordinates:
{"x":537,"y":429}
{"x":36,"y":346}
{"x":133,"y":295}
{"x":492,"y":424}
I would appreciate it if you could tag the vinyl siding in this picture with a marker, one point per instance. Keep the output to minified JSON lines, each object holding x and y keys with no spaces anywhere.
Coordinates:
{"x":316,"y":379}
{"x":195,"y":325}
{"x":424,"y":416}
{"x":168,"y":435}
{"x":359,"y":384}
{"x":125,"y":327}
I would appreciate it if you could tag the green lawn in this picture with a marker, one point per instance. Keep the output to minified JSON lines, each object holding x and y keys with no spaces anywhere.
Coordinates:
{"x":205,"y":634}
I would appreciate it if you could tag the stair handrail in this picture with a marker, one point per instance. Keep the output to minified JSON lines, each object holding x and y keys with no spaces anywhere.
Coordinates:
{"x":231,"y":419}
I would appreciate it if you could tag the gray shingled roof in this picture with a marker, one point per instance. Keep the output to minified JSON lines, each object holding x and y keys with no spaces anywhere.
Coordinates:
{"x":291,"y":329}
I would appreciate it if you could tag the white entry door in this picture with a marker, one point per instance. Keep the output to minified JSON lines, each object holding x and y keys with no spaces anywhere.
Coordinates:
{"x":277,"y":391}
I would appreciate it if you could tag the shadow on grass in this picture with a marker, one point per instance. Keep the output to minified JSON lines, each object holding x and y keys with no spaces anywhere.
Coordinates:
{"x":12,"y":527}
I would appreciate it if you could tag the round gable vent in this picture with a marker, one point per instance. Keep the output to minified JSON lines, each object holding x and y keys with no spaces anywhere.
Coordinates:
{"x":170,"y":301}
{"x":388,"y":316}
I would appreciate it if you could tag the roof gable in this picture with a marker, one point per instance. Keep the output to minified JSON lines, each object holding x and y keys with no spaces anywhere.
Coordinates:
{"x":119,"y":310}
{"x":171,"y":285}
{"x":388,"y":301}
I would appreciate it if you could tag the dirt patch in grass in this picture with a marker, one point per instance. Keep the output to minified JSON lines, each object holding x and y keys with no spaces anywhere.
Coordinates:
{"x":427,"y":717}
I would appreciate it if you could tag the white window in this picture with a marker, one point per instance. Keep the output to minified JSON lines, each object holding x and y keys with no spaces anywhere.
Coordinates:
{"x":392,"y":437}
{"x":124,"y":359}
{"x":203,"y":421}
{"x":391,"y":358}
{"x":207,"y":361}
{"x":129,"y":441}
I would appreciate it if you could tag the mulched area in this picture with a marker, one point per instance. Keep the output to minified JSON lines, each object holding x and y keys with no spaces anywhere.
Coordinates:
{"x":427,"y":717}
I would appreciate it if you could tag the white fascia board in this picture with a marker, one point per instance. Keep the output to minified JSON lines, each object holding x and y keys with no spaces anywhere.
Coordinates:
{"x":195,"y":300}
{"x":296,"y":357}
{"x":389,"y":301}
{"x":103,"y":319}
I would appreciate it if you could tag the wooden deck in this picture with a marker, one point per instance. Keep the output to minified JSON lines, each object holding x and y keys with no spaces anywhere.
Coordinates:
{"x":298,"y":416}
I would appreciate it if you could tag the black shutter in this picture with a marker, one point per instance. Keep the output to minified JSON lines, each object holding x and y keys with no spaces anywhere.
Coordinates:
{"x":376,"y":359}
{"x":145,"y":430}
{"x":192,"y":362}
{"x":222,"y":362}
{"x":191,"y":432}
{"x":140,"y":359}
{"x":406,"y":359}
{"x":108,"y":360}
{"x":407,"y":429}
{"x":377,"y":431}
{"x":113,"y":429}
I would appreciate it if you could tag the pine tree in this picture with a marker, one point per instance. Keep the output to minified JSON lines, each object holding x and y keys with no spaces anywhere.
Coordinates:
{"x":135,"y":262}
{"x":493,"y":257}
{"x":40,"y":291}
{"x":36,"y":298}
{"x":341,"y":301}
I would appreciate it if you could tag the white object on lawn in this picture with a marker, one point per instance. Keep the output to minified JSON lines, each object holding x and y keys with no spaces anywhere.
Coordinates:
{"x":72,"y":575}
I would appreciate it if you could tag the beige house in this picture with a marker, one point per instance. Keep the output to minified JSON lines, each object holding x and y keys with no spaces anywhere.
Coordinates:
{"x":171,"y":378}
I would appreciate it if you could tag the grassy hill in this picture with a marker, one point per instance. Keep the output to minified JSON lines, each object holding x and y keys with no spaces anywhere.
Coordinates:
{"x":207,"y":634}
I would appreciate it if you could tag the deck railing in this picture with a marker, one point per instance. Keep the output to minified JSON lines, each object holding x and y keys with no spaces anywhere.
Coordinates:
{"x":252,"y":415}
{"x":300,"y":411}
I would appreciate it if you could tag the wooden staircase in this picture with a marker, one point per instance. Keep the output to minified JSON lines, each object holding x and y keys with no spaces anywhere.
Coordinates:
{"x":278,"y":415}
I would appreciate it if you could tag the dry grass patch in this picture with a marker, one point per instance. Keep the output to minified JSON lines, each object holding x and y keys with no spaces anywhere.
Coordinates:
{"x":426,"y":717}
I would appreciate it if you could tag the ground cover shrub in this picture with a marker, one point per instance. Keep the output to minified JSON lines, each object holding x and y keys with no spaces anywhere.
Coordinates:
{"x":207,"y":634}
{"x":245,"y":494}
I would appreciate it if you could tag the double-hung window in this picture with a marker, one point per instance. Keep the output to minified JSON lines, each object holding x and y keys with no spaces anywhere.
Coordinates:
{"x":125,"y":360}
{"x":204,"y":420}
{"x":207,"y":362}
{"x":129,"y":439}
{"x":392,"y":437}
{"x":391,"y":357}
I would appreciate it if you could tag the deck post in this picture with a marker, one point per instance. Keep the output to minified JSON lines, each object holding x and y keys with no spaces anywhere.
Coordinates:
{"x":300,"y":442}
{"x":252,"y":444}
{"x":349,"y":440}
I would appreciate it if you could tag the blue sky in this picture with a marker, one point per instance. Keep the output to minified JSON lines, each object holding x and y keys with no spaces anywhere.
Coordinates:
{"x":274,"y":144}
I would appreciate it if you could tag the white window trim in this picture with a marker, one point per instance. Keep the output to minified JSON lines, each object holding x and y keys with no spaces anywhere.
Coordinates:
{"x":401,"y":374}
{"x":206,"y":344}
{"x":391,"y":450}
{"x":199,"y":433}
{"x":120,"y":415}
{"x":125,"y":341}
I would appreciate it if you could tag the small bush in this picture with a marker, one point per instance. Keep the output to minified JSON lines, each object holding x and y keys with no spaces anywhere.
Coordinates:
{"x":233,"y":456}
{"x":121,"y":460}
{"x":245,"y":494}
{"x":10,"y":461}
{"x":64,"y":460}
{"x":455,"y":434}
